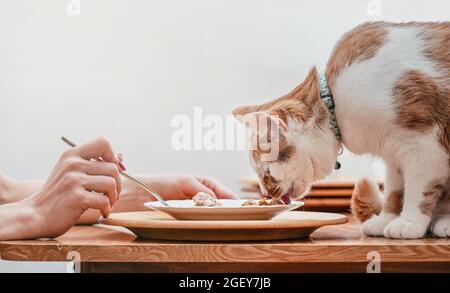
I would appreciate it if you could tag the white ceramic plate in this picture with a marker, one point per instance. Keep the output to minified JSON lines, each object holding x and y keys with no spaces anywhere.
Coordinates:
{"x":230,"y":210}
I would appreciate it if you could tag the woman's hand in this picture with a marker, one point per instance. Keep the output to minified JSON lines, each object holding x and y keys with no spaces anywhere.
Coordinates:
{"x":78,"y":182}
{"x":177,"y":186}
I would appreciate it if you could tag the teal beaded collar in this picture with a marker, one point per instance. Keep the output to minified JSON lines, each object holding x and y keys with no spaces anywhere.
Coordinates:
{"x":327,"y":98}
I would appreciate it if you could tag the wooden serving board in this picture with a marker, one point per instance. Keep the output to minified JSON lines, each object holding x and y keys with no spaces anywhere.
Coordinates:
{"x":289,"y":225}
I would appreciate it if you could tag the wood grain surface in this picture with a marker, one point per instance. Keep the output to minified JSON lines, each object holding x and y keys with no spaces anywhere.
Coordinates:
{"x":342,"y":247}
{"x":326,"y":203}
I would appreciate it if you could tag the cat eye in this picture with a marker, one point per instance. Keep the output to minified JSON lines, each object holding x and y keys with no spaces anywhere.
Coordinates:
{"x":286,"y":153}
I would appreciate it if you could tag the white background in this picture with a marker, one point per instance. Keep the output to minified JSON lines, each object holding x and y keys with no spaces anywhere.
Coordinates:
{"x":123,"y":69}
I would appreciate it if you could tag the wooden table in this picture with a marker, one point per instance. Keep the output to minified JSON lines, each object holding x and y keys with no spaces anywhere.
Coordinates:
{"x":339,"y":248}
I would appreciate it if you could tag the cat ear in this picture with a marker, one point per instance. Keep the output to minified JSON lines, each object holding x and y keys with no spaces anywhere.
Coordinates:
{"x":249,"y":114}
{"x":263,"y":123}
{"x":242,"y":111}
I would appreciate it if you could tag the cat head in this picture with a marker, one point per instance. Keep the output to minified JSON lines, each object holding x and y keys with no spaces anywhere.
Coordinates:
{"x":291,"y":143}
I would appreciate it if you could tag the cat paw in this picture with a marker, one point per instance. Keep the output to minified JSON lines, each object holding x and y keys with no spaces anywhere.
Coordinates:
{"x":402,"y":228}
{"x":441,"y":227}
{"x":376,"y":224}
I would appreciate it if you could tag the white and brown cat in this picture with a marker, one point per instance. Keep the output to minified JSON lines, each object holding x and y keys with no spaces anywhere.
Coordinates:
{"x":390,"y":83}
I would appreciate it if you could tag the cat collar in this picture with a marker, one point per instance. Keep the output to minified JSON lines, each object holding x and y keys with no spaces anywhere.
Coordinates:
{"x":327,"y":98}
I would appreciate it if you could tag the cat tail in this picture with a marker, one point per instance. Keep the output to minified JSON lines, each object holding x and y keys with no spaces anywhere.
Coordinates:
{"x":366,"y":199}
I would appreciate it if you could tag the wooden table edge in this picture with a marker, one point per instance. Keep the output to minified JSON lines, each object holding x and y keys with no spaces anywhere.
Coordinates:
{"x":280,"y":253}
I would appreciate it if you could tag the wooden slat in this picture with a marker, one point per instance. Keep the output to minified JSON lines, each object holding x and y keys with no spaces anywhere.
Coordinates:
{"x":346,"y":193}
{"x":322,"y":184}
{"x":327,"y":202}
{"x":338,"y":184}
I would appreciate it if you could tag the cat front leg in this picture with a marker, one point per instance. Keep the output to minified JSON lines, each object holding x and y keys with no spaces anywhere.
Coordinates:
{"x":392,"y":205}
{"x":425,"y":179}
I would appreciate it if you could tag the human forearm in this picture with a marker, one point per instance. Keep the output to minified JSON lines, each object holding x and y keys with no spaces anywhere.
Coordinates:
{"x":5,"y":187}
{"x":14,"y":191}
{"x":23,"y":189}
{"x":17,"y":221}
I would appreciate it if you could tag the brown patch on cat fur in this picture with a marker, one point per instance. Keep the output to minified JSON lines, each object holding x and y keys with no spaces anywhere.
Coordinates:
{"x":437,"y":38}
{"x":432,"y":193}
{"x":366,"y":200}
{"x":394,"y":202}
{"x":357,"y":45}
{"x":423,"y":104}
{"x":303,"y":103}
{"x":444,"y":138}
